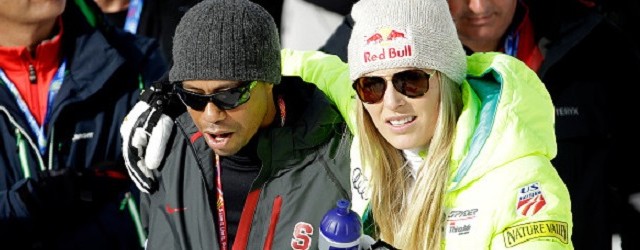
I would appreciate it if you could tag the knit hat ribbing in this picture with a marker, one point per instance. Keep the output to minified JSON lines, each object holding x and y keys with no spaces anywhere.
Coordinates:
{"x":226,"y":40}
{"x":406,"y":33}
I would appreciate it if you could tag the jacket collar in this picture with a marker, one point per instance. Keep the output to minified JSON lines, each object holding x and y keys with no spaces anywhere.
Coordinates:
{"x":497,"y":124}
{"x":310,"y":122}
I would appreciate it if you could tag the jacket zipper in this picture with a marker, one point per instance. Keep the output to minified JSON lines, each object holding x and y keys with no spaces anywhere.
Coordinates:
{"x":22,"y":154}
{"x":22,"y":146}
{"x":32,"y":74}
{"x":135,"y":216}
{"x":51,"y":133}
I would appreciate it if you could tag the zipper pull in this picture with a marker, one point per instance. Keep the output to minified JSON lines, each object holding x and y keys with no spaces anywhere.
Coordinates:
{"x":32,"y":73}
{"x":18,"y":137}
{"x":22,"y":154}
{"x":124,"y":201}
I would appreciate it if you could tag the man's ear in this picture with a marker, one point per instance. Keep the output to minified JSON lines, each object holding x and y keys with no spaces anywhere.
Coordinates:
{"x":268,"y":87}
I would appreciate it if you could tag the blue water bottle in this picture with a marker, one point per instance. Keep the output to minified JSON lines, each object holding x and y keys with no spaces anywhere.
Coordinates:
{"x":340,"y":228}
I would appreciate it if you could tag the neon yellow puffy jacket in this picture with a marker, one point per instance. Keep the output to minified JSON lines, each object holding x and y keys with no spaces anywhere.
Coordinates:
{"x":503,"y":191}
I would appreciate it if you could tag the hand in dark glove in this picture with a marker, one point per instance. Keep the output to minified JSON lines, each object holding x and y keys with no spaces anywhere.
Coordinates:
{"x":56,"y":191}
{"x":69,"y":189}
{"x":102,"y":183}
{"x":145,"y":132}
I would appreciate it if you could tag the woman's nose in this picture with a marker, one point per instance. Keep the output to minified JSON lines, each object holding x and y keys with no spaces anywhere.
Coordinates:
{"x":392,"y":99}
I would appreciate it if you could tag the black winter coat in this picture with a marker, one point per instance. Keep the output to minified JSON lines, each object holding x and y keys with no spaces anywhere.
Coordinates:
{"x":75,"y":195}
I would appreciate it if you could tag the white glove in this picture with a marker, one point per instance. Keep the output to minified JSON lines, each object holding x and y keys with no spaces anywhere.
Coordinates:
{"x":145,"y":132}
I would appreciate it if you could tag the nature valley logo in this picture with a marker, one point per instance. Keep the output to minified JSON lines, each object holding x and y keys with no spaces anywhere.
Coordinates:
{"x":388,"y":44}
{"x":549,"y":230}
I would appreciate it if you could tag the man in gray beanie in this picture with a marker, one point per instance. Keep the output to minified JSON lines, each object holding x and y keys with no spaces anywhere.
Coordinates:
{"x":254,"y":161}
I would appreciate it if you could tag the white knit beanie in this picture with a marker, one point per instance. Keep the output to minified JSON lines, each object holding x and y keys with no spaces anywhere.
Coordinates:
{"x":405,"y":33}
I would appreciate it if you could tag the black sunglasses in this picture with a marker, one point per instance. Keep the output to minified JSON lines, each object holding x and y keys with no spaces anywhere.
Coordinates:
{"x":412,"y":83}
{"x":226,"y":99}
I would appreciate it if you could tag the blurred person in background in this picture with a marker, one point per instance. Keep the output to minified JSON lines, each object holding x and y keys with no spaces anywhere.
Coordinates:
{"x":307,"y":24}
{"x":67,"y":80}
{"x":159,"y":18}
{"x":152,"y":18}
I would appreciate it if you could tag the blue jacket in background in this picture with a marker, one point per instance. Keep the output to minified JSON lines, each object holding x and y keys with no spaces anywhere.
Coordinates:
{"x":76,"y":195}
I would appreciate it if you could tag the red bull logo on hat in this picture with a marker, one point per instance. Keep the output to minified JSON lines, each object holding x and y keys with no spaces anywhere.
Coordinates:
{"x":375,"y":38}
{"x":388,"y":44}
{"x":395,"y":35}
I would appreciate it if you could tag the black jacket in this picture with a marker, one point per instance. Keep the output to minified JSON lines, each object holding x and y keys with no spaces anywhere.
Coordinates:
{"x":73,"y":197}
{"x":589,"y":70}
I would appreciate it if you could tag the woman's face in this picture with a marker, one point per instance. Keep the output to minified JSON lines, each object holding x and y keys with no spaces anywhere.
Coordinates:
{"x":403,"y":121}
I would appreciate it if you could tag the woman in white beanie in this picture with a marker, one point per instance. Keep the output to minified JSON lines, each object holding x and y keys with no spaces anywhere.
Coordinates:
{"x":450,"y":152}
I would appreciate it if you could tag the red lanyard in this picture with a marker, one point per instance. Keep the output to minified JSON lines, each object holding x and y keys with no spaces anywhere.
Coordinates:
{"x":283,"y":110}
{"x":222,"y":212}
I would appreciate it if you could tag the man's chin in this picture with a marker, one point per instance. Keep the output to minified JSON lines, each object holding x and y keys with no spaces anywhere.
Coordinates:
{"x":225,"y":151}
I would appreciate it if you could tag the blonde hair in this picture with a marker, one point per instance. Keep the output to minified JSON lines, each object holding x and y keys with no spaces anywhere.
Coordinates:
{"x":410,"y":214}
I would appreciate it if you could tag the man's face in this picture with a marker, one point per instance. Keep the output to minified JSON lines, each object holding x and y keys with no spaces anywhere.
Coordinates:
{"x":227,"y":131}
{"x":30,"y":11}
{"x":482,"y":23}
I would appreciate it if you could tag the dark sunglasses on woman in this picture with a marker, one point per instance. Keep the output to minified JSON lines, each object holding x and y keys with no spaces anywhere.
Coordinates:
{"x":411,"y":83}
{"x":226,"y":99}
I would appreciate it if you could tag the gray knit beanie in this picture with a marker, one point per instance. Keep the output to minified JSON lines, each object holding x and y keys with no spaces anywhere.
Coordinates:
{"x":226,"y":40}
{"x":405,"y":33}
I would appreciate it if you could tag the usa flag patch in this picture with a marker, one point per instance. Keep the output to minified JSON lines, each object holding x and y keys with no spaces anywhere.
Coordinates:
{"x":530,"y":199}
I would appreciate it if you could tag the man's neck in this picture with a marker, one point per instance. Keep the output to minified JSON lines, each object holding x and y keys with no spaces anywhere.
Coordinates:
{"x":28,"y":35}
{"x":112,"y":6}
